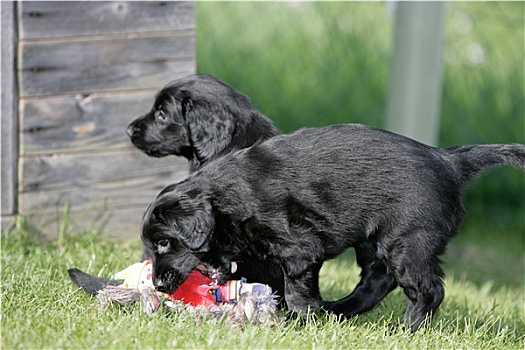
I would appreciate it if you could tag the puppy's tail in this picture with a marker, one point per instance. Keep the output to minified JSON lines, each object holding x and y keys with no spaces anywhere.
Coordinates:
{"x":90,"y":284}
{"x":470,"y":160}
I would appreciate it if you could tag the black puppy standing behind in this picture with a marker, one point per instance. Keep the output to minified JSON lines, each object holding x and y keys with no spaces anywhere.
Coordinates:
{"x":201,"y":119}
{"x":300,"y":199}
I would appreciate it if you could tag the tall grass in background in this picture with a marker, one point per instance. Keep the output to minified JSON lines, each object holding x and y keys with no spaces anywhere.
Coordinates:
{"x":302,"y":64}
{"x":320,"y":63}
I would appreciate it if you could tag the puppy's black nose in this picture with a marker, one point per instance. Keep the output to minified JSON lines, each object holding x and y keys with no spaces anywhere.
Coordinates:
{"x":130,"y":129}
{"x":161,"y":287}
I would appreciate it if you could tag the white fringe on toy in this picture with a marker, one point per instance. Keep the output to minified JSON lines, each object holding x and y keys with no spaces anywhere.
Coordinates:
{"x":255,"y":308}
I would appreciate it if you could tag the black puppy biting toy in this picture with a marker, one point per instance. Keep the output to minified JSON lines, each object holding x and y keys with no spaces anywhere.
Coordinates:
{"x":298,"y":200}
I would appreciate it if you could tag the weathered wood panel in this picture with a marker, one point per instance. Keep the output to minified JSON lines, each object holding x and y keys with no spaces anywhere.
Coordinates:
{"x":116,"y":204}
{"x":136,"y":192}
{"x":117,"y":223}
{"x":104,"y":64}
{"x":51,"y":19}
{"x":85,"y":70}
{"x":8,"y":118}
{"x":80,"y":122}
{"x":70,"y":170}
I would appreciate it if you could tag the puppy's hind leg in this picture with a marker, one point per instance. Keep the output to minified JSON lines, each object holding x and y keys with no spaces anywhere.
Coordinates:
{"x":375,"y":283}
{"x":417,"y":270}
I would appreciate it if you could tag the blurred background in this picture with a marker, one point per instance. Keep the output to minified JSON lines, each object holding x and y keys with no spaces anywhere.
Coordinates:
{"x":319,"y":63}
{"x":314,"y":64}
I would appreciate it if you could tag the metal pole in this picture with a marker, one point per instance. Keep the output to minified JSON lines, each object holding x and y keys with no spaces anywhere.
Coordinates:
{"x":414,"y":92}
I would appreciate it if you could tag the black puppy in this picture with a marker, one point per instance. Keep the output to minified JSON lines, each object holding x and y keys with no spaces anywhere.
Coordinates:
{"x":200,"y":118}
{"x":300,"y":199}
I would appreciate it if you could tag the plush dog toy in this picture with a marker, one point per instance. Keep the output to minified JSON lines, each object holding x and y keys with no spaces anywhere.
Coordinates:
{"x":240,"y":300}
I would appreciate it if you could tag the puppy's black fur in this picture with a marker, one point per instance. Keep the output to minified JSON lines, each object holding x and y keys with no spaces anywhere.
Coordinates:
{"x":298,"y":200}
{"x":200,"y":118}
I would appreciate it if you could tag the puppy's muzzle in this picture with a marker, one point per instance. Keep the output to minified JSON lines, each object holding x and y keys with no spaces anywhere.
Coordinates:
{"x":131,"y":129}
{"x":164,"y":282}
{"x":161,"y":287}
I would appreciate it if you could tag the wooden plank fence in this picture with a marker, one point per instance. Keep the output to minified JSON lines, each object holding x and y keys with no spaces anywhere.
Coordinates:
{"x":8,"y":120}
{"x":85,"y":70}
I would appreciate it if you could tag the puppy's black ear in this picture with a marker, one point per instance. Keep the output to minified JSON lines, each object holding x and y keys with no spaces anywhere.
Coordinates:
{"x":190,"y":220}
{"x":211,"y":126}
{"x":201,"y":223}
{"x":187,"y":106}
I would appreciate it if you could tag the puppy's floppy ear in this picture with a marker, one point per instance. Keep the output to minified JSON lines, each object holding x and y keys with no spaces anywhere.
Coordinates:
{"x":211,"y":126}
{"x":186,"y":105}
{"x":190,"y":220}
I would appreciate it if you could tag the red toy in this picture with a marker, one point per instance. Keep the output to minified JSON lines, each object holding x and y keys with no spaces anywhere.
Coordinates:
{"x":195,"y":290}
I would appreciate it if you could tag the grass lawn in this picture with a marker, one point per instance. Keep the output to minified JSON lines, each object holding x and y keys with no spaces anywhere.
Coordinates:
{"x":483,"y":307}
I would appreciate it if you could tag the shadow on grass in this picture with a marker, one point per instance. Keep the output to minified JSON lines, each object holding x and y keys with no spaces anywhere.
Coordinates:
{"x":483,"y":252}
{"x":484,"y":283}
{"x":488,"y":251}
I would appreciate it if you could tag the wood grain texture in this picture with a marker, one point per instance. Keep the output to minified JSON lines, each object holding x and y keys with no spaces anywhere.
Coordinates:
{"x":115,"y":207}
{"x":53,"y":19}
{"x":84,"y":71}
{"x":90,"y":65}
{"x":8,"y":118}
{"x":122,"y":223}
{"x":79,"y":123}
{"x":135,"y":192}
{"x":69,"y":170}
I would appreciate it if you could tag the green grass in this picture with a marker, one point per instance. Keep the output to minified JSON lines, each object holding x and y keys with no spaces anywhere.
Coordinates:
{"x":483,"y":308}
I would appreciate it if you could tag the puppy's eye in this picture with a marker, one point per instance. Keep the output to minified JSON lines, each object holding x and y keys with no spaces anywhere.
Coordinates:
{"x":163,"y":242}
{"x":160,"y":115}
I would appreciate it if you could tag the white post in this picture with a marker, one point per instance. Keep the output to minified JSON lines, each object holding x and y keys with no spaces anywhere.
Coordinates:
{"x":414,"y":92}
